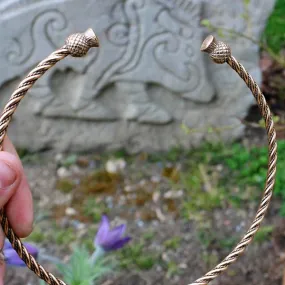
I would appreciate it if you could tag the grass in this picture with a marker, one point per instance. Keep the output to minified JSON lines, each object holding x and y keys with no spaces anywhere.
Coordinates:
{"x":228,"y":243}
{"x":263,"y":234}
{"x":94,"y":209}
{"x":149,"y":235}
{"x":64,"y":236}
{"x":173,"y":155}
{"x":206,"y":237}
{"x":218,"y":176}
{"x":212,"y":176}
{"x":211,"y":239}
{"x":210,"y":258}
{"x":249,"y":167}
{"x":172,"y":269}
{"x":240,"y":181}
{"x":173,"y":243}
{"x":135,"y":256}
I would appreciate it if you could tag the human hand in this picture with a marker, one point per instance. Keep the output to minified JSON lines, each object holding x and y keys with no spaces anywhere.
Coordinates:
{"x":15,"y":195}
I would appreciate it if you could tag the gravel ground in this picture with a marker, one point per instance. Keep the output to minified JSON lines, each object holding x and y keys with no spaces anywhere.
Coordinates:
{"x":141,"y":195}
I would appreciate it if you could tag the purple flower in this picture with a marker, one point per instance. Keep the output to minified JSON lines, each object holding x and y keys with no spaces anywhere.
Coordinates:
{"x":110,"y":239}
{"x":11,"y":256}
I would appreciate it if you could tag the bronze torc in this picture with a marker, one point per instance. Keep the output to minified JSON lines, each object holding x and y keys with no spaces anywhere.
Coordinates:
{"x":220,"y":53}
{"x":77,"y":45}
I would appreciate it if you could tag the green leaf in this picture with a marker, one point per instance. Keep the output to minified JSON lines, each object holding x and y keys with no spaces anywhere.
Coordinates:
{"x":80,"y":270}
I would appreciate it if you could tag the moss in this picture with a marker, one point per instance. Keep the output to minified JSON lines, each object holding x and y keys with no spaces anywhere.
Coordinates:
{"x":94,"y":209}
{"x":263,"y":234}
{"x":99,"y":182}
{"x":172,"y":269}
{"x":228,"y":243}
{"x":64,"y":236}
{"x":238,"y":182}
{"x":197,"y":199}
{"x":210,"y":259}
{"x":65,"y":185}
{"x":148,"y":235}
{"x":206,"y":237}
{"x":135,"y":256}
{"x":171,"y":172}
{"x":173,"y":243}
{"x":145,"y":262}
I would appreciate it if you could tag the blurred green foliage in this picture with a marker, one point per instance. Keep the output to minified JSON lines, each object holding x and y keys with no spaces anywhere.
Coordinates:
{"x":198,"y":200}
{"x":263,"y":234}
{"x":218,"y":175}
{"x":240,"y":181}
{"x":173,"y":243}
{"x":274,"y":33}
{"x":64,"y":236}
{"x":80,"y":271}
{"x":136,"y":256}
{"x":249,"y":167}
{"x":94,"y":209}
{"x":172,"y":269}
{"x":37,"y":235}
{"x":65,"y":185}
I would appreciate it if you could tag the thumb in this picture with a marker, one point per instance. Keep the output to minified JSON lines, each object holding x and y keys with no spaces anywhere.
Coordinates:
{"x":10,"y":176}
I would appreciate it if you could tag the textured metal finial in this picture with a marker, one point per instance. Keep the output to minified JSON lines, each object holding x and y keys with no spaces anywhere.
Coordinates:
{"x":218,"y":51}
{"x":79,"y":44}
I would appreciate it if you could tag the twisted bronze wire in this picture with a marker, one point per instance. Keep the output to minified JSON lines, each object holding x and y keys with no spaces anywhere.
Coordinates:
{"x":78,"y":45}
{"x":220,"y":53}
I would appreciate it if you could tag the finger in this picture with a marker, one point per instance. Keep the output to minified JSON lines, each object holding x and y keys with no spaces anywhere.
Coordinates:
{"x":19,"y":209}
{"x":10,"y":178}
{"x":11,"y":173}
{"x":9,"y":147}
{"x":2,"y":263}
{"x":2,"y":272}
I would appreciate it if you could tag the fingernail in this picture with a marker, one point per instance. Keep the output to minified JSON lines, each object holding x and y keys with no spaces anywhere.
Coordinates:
{"x":7,"y":175}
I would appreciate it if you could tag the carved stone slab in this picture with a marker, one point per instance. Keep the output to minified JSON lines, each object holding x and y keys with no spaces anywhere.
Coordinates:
{"x":146,"y":79}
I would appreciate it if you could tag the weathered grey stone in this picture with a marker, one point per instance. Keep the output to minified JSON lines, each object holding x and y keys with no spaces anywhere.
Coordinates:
{"x":146,"y":79}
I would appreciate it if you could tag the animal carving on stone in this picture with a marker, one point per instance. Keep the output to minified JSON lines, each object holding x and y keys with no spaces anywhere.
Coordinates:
{"x":142,"y":42}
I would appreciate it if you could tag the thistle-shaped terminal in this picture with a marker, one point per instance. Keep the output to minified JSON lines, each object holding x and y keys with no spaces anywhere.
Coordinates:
{"x":79,"y":44}
{"x":218,"y":51}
